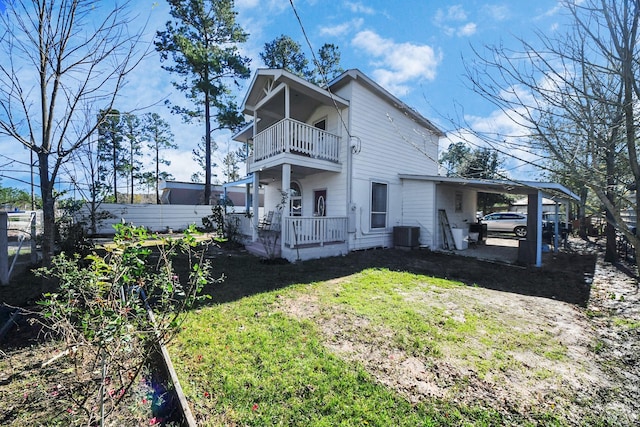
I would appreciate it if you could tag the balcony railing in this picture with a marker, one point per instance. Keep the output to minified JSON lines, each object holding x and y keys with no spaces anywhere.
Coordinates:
{"x":292,"y":136}
{"x":314,"y":231}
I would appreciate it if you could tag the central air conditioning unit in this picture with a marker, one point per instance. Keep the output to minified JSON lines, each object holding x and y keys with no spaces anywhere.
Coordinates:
{"x":406,"y":237}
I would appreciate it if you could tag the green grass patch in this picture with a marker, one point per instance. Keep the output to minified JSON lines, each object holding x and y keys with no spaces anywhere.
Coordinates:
{"x":626,"y":323}
{"x":403,"y":302}
{"x":245,"y":362}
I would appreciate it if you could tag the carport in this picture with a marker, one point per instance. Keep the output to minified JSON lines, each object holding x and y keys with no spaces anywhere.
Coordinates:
{"x":530,"y":249}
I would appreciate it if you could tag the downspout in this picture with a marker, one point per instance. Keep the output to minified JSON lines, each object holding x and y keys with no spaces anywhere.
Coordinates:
{"x":247,"y":189}
{"x":351,"y":207}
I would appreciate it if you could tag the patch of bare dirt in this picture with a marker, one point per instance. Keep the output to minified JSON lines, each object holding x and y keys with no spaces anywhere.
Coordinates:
{"x":596,"y":377}
{"x":614,"y":309}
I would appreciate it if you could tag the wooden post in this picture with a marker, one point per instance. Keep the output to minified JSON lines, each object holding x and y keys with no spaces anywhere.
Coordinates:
{"x":4,"y":248}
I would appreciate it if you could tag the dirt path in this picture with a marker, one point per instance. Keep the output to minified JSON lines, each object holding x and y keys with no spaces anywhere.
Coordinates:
{"x":614,"y":308}
{"x":597,"y":375}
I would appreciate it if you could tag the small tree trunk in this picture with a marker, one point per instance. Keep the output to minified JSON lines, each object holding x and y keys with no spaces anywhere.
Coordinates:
{"x":207,"y":144}
{"x":157,"y":172}
{"x":48,"y":210}
{"x":611,"y":252}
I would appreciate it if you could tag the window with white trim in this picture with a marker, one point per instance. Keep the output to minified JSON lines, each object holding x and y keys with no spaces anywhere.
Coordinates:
{"x":378,"y":205}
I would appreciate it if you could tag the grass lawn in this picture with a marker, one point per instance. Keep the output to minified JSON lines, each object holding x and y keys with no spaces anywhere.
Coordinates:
{"x":359,"y":341}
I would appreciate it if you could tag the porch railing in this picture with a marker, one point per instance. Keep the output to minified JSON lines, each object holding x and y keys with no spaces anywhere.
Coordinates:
{"x":292,"y":136}
{"x":315,"y":231}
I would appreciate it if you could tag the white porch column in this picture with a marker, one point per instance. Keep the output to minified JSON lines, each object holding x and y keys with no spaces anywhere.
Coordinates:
{"x":286,"y":188}
{"x":287,"y":102}
{"x":287,"y":124}
{"x":256,"y":206}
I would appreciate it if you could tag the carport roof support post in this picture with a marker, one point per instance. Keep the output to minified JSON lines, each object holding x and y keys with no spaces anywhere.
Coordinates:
{"x":535,"y":223}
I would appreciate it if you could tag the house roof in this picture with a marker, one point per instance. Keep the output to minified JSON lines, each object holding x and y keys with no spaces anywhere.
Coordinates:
{"x":357,"y":75}
{"x":266,"y":80}
{"x":265,"y":77}
{"x":552,"y":189}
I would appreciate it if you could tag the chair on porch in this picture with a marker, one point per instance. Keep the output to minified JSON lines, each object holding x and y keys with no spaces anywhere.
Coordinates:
{"x":265,"y":222}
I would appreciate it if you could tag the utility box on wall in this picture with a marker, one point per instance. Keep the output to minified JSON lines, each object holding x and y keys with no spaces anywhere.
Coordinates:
{"x":406,"y":237}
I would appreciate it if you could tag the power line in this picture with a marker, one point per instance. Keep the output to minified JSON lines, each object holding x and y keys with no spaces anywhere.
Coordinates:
{"x":323,"y":74}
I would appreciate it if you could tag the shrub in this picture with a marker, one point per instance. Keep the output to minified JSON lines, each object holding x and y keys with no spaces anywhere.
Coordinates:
{"x":102,"y":310}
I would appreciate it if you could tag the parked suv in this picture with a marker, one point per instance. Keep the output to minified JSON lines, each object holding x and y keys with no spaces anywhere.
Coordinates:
{"x":510,"y":222}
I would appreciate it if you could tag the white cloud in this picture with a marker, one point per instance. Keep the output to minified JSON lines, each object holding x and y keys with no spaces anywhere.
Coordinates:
{"x":398,"y":65}
{"x":551,"y":12}
{"x":498,"y":131}
{"x":358,"y":7}
{"x":467,"y":29}
{"x":452,"y":13}
{"x":342,"y":29}
{"x":496,"y":12}
{"x":451,"y":21}
{"x":267,"y":6}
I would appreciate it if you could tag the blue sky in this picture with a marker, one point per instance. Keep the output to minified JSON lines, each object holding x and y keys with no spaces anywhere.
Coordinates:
{"x":415,"y":49}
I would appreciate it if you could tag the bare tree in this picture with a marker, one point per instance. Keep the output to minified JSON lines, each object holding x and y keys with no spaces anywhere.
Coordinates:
{"x":58,"y":57}
{"x":576,"y":94}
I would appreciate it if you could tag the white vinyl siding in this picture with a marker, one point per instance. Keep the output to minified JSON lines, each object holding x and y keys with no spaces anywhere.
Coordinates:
{"x":418,"y":204}
{"x":391,"y":142}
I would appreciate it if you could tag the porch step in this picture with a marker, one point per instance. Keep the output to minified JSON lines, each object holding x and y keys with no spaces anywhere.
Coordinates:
{"x":257,"y":248}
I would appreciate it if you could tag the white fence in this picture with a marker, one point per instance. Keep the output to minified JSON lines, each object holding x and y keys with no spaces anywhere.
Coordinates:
{"x":157,"y":218}
{"x":19,"y":225}
{"x":243,"y":223}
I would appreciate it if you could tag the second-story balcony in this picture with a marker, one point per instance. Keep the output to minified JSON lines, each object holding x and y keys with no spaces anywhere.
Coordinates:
{"x":289,"y":137}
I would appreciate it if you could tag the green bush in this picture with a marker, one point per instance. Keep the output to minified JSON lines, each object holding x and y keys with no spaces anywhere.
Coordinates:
{"x":101,"y":311}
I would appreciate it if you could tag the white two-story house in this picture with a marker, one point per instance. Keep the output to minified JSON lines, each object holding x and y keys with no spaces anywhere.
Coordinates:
{"x":339,"y":151}
{"x":342,"y":166}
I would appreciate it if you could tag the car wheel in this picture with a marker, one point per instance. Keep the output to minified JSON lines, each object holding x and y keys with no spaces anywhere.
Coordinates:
{"x":520,"y":231}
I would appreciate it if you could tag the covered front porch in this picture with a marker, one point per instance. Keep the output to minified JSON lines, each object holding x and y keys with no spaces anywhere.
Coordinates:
{"x":301,"y":238}
{"x":295,"y":153}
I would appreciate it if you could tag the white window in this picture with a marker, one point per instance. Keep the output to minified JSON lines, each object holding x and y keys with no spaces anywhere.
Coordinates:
{"x":378,"y":205}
